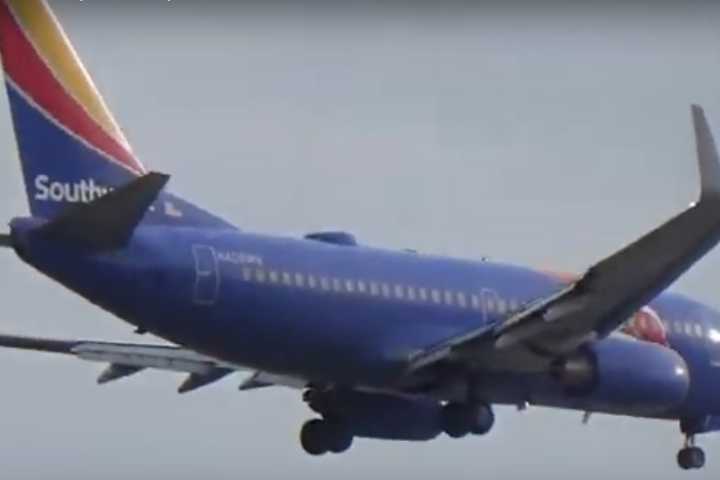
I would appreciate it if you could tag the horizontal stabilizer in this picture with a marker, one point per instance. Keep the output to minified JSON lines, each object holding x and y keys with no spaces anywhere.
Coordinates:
{"x":108,"y":222}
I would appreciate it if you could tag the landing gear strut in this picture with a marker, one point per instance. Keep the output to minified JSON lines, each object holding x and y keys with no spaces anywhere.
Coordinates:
{"x":320,"y":436}
{"x":461,"y":419}
{"x":691,"y":457}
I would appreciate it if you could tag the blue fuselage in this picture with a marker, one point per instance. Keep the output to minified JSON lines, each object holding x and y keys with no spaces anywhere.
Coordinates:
{"x":338,"y":313}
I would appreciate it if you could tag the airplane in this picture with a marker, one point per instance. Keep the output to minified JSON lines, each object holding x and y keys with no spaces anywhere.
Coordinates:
{"x":380,"y":344}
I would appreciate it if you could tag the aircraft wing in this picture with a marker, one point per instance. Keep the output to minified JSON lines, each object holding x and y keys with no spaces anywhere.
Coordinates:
{"x":125,"y":359}
{"x":616,"y":287}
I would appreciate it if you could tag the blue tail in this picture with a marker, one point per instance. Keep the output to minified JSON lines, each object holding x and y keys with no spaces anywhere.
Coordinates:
{"x":71,"y":148}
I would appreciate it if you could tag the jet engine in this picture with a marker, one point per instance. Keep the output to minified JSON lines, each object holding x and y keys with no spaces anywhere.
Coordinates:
{"x":621,"y":373}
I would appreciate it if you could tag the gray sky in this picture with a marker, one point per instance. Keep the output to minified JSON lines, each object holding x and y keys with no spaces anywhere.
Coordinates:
{"x":548,"y":136}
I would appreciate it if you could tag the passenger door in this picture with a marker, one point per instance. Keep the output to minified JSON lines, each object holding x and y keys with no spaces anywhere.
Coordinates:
{"x":207,"y":278}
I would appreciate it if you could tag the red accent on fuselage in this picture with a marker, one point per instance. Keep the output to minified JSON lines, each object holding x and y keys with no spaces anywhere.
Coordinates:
{"x":646,"y":325}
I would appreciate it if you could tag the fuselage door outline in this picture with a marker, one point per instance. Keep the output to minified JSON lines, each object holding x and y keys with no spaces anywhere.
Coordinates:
{"x":207,"y":276}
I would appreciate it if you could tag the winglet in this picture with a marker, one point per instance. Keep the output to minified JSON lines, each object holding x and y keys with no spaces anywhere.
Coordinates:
{"x":708,"y":161}
{"x":108,"y":222}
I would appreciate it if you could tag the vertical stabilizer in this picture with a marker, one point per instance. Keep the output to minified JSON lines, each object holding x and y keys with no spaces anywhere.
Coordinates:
{"x":70,"y":145}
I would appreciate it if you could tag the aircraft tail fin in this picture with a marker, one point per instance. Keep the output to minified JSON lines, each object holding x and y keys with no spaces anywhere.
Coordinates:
{"x":71,"y":148}
{"x":108,"y":222}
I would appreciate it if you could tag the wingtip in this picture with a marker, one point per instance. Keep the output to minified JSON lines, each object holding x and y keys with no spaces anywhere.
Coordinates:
{"x":708,"y":161}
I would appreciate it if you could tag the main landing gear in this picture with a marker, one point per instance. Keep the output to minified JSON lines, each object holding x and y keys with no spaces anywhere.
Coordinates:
{"x":691,"y":457}
{"x":321,"y":436}
{"x":345,"y":417}
{"x":461,"y":419}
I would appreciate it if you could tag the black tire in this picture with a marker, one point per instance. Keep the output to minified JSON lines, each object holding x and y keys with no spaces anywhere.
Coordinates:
{"x":484,"y":420}
{"x":698,"y":458}
{"x":683,"y":459}
{"x":340,"y":437}
{"x":455,"y":420}
{"x":692,"y":458}
{"x":313,"y":437}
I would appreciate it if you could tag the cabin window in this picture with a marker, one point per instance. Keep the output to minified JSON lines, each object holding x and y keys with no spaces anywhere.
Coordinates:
{"x":273,"y":276}
{"x":260,"y":275}
{"x":337,"y":285}
{"x":349,"y":286}
{"x":311,"y":281}
{"x":411,"y":293}
{"x":501,"y":306}
{"x":374,"y":289}
{"x":490,"y":303}
{"x":247,"y":274}
{"x":437,"y":298}
{"x":325,"y":283}
{"x":385,"y":290}
{"x":423,"y":294}
{"x":678,"y":327}
{"x":287,"y":278}
{"x":688,"y":329}
{"x":399,"y":292}
{"x":299,"y":280}
{"x":699,"y":330}
{"x":448,"y":297}
{"x":475,"y":302}
{"x":462,"y":300}
{"x":361,"y":287}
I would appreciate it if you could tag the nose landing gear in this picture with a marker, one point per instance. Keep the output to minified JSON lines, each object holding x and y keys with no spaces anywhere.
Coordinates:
{"x":691,"y":457}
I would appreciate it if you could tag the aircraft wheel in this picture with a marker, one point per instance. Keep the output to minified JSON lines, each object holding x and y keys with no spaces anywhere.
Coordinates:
{"x":691,"y":458}
{"x":339,"y":436}
{"x":313,"y":437}
{"x":462,"y":419}
{"x":319,"y":437}
{"x":456,"y":421}
{"x":483,"y":420}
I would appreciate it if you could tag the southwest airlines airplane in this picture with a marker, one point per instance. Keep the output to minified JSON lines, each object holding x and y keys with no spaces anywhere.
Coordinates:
{"x":391,"y":345}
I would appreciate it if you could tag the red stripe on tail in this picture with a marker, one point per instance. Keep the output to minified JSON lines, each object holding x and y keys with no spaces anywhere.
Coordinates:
{"x":30,"y":73}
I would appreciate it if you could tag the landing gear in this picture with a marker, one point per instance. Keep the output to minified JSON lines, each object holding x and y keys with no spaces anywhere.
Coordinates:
{"x":460,"y":419}
{"x":691,"y":457}
{"x":320,"y":436}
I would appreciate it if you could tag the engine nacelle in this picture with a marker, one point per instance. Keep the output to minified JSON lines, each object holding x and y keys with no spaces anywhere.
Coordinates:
{"x":622,"y":374}
{"x":381,"y":416}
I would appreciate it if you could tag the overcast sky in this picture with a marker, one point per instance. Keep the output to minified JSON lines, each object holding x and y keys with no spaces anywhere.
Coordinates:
{"x":548,"y":135}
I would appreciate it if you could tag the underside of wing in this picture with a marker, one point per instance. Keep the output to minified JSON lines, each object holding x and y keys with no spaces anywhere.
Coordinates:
{"x":125,"y":359}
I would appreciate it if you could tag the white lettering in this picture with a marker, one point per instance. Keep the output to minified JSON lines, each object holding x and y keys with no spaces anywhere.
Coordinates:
{"x":85,"y":190}
{"x":41,"y":187}
{"x":239,"y":258}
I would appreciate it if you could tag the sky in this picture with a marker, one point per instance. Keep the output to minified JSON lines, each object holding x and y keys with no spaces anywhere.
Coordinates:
{"x":544,"y":134}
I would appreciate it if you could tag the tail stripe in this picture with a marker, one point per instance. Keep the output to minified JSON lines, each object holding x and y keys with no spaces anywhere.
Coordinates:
{"x":34,"y":79}
{"x":12,"y":87}
{"x":46,"y":34}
